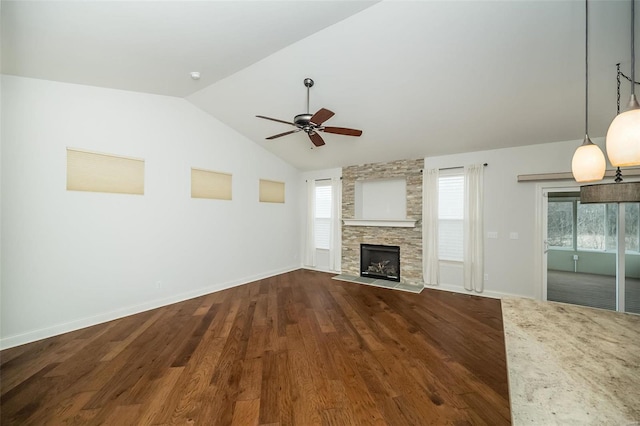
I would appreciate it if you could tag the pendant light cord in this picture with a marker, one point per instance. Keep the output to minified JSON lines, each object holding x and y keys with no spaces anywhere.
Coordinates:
{"x":586,"y":67}
{"x":633,"y":50}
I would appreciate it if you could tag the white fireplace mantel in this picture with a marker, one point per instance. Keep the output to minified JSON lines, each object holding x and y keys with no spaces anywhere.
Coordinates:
{"x":394,"y":223}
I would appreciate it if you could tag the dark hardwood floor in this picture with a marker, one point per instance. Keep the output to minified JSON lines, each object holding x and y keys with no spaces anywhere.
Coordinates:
{"x":295,"y":349}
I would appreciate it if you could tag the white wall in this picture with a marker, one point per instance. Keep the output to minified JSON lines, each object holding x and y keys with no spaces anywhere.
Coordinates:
{"x":509,"y":207}
{"x":72,"y":259}
{"x":322,"y":256}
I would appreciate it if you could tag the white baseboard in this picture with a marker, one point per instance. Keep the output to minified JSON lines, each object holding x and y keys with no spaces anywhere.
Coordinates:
{"x":313,"y":268}
{"x":460,"y":289}
{"x":443,"y":287}
{"x":43,"y":333}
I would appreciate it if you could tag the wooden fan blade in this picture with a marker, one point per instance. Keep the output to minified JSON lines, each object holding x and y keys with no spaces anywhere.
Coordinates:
{"x":283,"y":134}
{"x":275,"y":119}
{"x":321,"y":116}
{"x":342,"y":131}
{"x":316,"y":139}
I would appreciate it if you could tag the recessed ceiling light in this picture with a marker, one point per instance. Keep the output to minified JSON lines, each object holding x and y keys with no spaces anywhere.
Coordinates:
{"x":195,"y":75}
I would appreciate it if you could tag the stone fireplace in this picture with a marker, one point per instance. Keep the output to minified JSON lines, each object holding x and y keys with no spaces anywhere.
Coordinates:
{"x":404,"y":233}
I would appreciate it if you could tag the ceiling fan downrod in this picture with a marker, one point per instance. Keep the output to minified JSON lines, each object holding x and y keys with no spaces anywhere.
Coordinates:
{"x":308,"y":84}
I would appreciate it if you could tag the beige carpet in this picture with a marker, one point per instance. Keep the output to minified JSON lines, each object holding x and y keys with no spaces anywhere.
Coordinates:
{"x":571,"y":365}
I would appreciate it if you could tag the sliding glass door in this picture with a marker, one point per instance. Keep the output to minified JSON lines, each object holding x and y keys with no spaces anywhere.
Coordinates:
{"x":632,"y":257}
{"x":593,"y":253}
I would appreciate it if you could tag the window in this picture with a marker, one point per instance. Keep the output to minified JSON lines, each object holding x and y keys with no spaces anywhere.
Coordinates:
{"x":632,"y":222}
{"x":591,"y":227}
{"x":210,"y":184}
{"x":322,"y":223}
{"x":560,"y":224}
{"x":595,"y":225}
{"x":91,"y":171}
{"x":271,"y":191}
{"x":450,"y":216}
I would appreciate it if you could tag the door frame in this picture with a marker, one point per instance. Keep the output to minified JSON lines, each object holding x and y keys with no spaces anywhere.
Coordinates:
{"x":542,"y":203}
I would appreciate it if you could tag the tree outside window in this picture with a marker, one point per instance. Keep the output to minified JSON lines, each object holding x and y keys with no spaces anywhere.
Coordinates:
{"x":595,"y":226}
{"x":592,"y":229}
{"x":632,"y":222}
{"x":560,"y":224}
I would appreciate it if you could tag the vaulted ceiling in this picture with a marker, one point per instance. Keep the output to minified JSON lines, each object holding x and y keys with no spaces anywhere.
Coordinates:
{"x":420,"y":78}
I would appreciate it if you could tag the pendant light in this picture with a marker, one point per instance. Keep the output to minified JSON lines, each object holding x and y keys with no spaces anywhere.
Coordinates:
{"x":623,"y":137}
{"x":623,"y":147}
{"x":588,"y":163}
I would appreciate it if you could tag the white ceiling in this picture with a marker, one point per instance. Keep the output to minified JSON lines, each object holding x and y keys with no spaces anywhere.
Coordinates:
{"x":152,"y":46}
{"x":420,"y":78}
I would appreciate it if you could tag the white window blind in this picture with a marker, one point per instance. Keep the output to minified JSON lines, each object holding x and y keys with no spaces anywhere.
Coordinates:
{"x":450,"y":216}
{"x":210,"y":184}
{"x":92,"y":171}
{"x":271,"y":191}
{"x":323,"y":215}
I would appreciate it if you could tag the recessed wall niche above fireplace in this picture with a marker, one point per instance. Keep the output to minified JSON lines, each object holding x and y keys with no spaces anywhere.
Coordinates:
{"x":381,"y":202}
{"x":380,"y":261}
{"x":381,"y":198}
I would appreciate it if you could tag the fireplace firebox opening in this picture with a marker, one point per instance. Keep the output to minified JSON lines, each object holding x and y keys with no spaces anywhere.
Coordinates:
{"x":379,"y":261}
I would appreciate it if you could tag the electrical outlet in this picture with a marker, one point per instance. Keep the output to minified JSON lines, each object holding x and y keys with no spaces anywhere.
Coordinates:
{"x":159,"y":285}
{"x":575,"y":257}
{"x":513,"y":235}
{"x":486,"y":277}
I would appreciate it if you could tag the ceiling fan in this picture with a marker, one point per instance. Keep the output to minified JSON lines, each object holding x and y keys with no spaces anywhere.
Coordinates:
{"x":311,"y":124}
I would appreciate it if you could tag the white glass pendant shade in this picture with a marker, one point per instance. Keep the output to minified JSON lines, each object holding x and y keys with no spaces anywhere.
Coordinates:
{"x":623,"y":137}
{"x":588,"y":163}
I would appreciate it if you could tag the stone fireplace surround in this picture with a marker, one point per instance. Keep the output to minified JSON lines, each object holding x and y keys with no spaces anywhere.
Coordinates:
{"x":409,"y":239}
